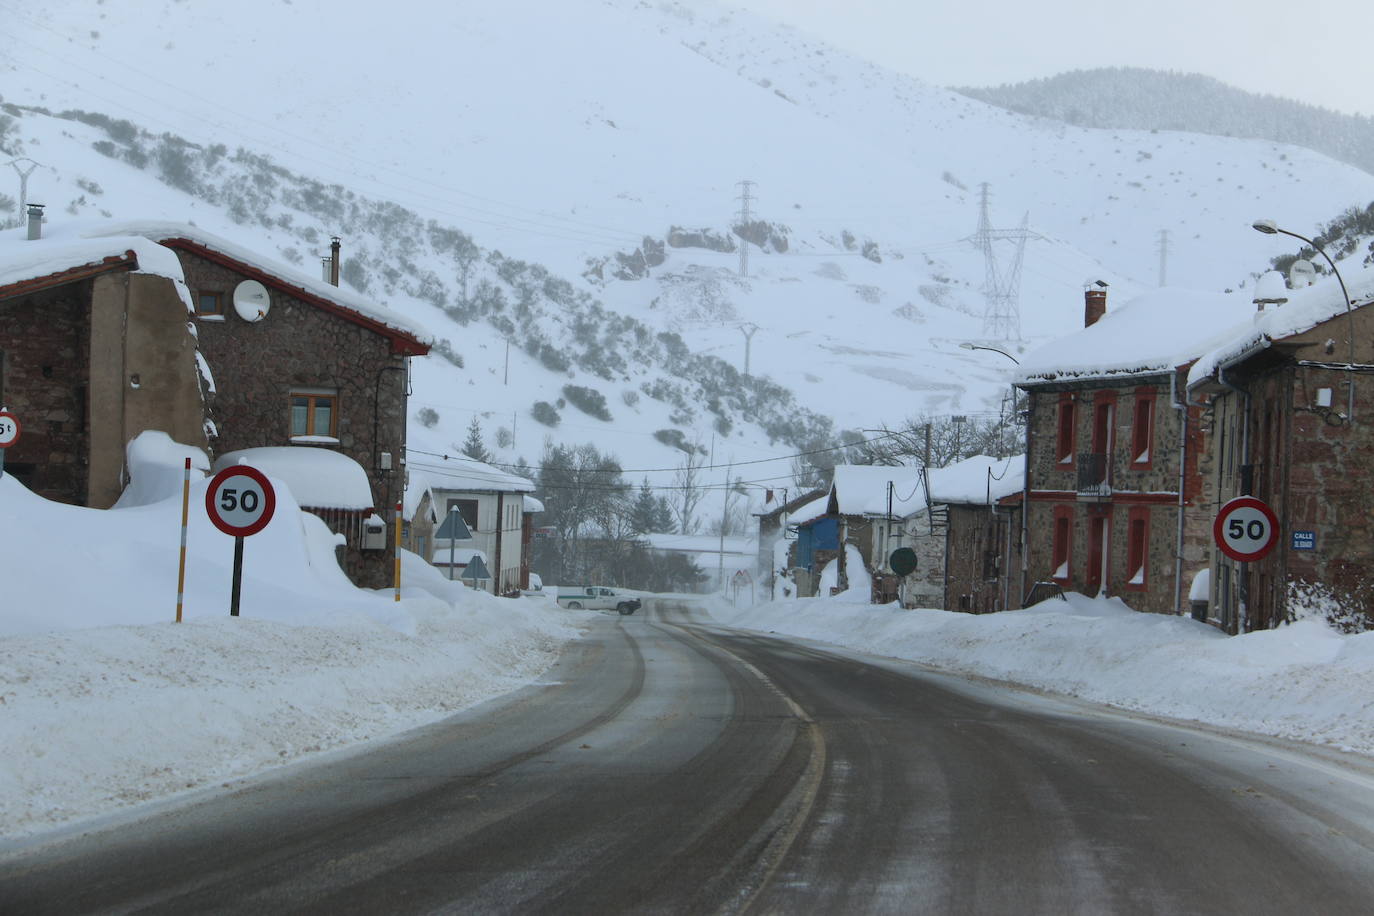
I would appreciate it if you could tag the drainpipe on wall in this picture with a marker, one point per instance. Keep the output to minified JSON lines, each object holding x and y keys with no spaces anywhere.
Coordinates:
{"x":1025,"y":499}
{"x":1244,"y":584}
{"x":1182,"y":409}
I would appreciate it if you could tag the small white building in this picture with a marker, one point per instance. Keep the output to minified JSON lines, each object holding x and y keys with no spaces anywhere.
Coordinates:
{"x":491,"y":502}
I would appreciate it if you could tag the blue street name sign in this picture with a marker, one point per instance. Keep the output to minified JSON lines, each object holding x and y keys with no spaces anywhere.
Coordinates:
{"x":1304,"y":540}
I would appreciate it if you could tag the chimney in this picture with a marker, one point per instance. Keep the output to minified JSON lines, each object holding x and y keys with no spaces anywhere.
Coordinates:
{"x":1270,"y":289}
{"x":1094,"y":301}
{"x":334,"y":260}
{"x":35,"y":221}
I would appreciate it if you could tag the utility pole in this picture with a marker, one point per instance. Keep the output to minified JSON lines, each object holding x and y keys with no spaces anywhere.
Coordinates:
{"x":1163,"y":246}
{"x":505,"y":375}
{"x":925,"y":458}
{"x":744,"y":216}
{"x":958,"y":422}
{"x":748,"y":330}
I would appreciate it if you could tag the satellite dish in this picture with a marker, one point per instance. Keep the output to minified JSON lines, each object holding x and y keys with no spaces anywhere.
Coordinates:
{"x":251,"y":301}
{"x":1301,"y":274}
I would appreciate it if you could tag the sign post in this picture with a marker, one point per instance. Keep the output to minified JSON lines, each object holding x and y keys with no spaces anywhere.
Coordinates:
{"x":240,"y":502}
{"x":1246,"y":529}
{"x":9,"y":434}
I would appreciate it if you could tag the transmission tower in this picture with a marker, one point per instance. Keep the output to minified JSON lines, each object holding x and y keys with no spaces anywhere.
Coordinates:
{"x":1001,"y":287}
{"x":743,"y":223}
{"x":1163,"y":246}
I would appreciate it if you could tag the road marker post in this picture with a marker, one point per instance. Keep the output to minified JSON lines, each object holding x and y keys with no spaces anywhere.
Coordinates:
{"x":185,"y":517}
{"x":397,"y":571}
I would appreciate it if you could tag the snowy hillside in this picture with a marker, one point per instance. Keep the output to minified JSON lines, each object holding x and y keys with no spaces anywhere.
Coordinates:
{"x":562,"y":179}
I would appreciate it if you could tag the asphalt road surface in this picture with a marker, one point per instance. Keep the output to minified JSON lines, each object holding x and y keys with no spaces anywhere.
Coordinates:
{"x":671,"y":766}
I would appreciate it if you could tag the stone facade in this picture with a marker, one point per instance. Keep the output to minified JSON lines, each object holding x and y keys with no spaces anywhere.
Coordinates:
{"x":1103,"y":463}
{"x":88,"y":365}
{"x":975,"y":559}
{"x":45,"y":381}
{"x":1308,"y":461}
{"x":303,"y":347}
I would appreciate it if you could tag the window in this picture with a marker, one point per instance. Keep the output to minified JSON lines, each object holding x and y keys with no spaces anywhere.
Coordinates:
{"x":1138,"y":549}
{"x":422,"y":546}
{"x":1143,"y":430}
{"x":1066,"y":431}
{"x":1062,"y":551}
{"x":314,"y":415}
{"x":467,"y":508}
{"x":209,"y":304}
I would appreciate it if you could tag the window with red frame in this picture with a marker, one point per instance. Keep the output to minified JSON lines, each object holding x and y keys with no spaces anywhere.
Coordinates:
{"x":1138,"y":549}
{"x":1066,"y":430}
{"x":1063,"y":544}
{"x":1143,"y":430}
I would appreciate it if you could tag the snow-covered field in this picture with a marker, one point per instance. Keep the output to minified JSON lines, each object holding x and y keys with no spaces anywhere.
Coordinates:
{"x":1304,"y":681}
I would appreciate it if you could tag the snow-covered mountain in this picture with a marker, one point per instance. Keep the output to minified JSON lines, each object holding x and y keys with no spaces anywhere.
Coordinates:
{"x":552,"y":188}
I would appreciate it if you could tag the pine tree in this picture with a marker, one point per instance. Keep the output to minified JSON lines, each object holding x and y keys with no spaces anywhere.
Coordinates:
{"x":472,"y":446}
{"x":645,"y":512}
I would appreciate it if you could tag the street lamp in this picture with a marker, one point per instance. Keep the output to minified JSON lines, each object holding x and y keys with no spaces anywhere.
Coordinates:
{"x":1269,"y":227}
{"x":969,"y":346}
{"x":972,"y":346}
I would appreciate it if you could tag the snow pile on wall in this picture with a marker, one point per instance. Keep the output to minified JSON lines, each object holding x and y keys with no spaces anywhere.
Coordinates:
{"x":318,"y":477}
{"x":157,"y":468}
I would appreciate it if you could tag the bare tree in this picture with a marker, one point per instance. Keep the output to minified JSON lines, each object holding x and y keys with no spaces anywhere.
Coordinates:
{"x":689,"y":492}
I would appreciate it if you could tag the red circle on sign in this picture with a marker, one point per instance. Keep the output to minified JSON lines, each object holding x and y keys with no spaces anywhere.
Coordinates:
{"x":220,"y":499}
{"x":1231,"y":514}
{"x":6,"y":442}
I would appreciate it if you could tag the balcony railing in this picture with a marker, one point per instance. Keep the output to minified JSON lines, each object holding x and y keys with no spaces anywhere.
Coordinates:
{"x":1094,"y":476}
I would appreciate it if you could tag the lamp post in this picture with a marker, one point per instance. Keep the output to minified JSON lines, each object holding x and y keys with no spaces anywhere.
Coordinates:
{"x":1269,"y":227}
{"x":972,"y":346}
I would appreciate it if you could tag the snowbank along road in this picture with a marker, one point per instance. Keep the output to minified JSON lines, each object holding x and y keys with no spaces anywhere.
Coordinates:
{"x":666,"y":765}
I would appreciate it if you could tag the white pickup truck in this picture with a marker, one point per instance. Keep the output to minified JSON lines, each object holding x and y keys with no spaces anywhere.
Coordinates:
{"x":597,"y":598}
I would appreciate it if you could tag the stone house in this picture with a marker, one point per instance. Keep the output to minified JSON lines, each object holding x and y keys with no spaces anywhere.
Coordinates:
{"x":490,"y":501}
{"x":270,"y":357}
{"x":980,"y":530}
{"x":311,"y":365}
{"x":94,"y":349}
{"x":1291,"y":394}
{"x":1113,"y":493}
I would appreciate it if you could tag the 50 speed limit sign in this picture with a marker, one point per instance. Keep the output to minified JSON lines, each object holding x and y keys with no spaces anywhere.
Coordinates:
{"x":240,"y":501}
{"x":1246,"y":529}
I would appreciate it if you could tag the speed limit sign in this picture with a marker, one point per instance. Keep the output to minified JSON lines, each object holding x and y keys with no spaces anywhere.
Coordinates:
{"x":1246,"y":529}
{"x":240,"y":501}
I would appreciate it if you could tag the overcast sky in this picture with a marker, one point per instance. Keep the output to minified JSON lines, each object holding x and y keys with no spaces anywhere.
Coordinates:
{"x":1315,"y":52}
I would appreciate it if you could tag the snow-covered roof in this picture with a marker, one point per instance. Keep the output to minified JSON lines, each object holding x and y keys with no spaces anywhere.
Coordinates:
{"x":862,"y":489}
{"x":319,"y":478}
{"x":978,"y":480}
{"x":463,"y":475}
{"x":1306,"y":308}
{"x":532,"y":504}
{"x":810,"y":511}
{"x":701,"y":543}
{"x":23,"y":260}
{"x":156,"y":231}
{"x":1153,"y":333}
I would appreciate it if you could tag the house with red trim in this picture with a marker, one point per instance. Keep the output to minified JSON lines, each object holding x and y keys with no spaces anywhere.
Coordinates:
{"x":164,"y":326}
{"x":1114,"y":500}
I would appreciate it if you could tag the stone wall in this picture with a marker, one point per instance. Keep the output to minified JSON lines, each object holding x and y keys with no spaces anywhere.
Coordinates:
{"x":300,"y":345}
{"x":45,"y":338}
